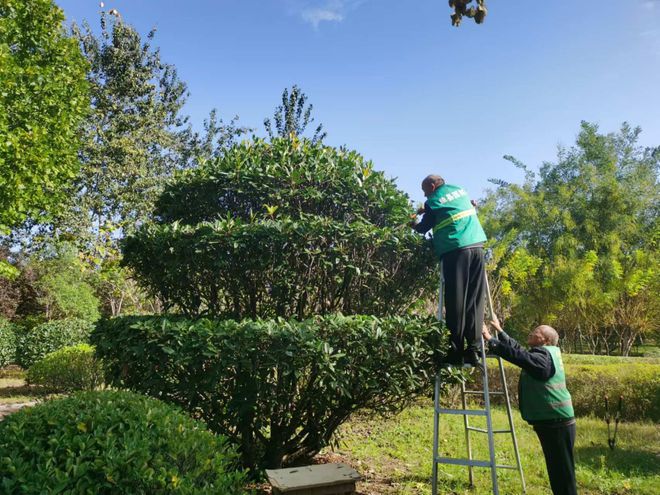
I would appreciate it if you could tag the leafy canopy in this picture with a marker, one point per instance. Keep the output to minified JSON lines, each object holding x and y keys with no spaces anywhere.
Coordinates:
{"x":577,"y":246}
{"x":43,"y":98}
{"x":285,"y":228}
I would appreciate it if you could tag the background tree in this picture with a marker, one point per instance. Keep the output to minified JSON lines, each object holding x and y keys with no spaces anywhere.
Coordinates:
{"x":293,"y":116}
{"x":577,"y":247}
{"x":133,"y":137}
{"x":63,"y":284}
{"x":43,"y":97}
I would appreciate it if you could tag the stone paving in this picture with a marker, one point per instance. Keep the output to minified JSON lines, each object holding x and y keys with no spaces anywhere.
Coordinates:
{"x":7,"y":409}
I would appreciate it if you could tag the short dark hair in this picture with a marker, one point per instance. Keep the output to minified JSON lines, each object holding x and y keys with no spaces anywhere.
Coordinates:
{"x":436,"y":180}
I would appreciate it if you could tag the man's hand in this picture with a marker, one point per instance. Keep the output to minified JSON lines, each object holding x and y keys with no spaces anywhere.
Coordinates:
{"x":496,"y":324}
{"x":486,"y":333}
{"x":413,"y":220}
{"x":421,"y":210}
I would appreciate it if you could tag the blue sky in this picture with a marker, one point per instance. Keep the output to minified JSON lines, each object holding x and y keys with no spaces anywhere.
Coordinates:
{"x":395,"y":81}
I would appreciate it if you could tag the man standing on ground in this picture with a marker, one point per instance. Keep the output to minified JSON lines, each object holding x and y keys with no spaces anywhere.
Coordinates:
{"x":458,"y":241}
{"x":545,"y":402}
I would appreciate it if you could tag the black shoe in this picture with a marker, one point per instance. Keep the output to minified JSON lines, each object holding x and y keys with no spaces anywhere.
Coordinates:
{"x":452,"y":359}
{"x":472,"y":358}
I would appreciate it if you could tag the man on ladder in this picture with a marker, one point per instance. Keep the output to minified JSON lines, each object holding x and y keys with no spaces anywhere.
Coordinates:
{"x":458,"y":240}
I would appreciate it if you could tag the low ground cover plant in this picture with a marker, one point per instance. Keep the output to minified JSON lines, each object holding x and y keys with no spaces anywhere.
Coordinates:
{"x":113,"y":442}
{"x":278,"y":388}
{"x":68,"y":369}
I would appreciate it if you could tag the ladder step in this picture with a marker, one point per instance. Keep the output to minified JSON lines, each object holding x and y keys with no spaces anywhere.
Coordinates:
{"x":462,"y":462}
{"x":462,"y":412}
{"x":470,"y":462}
{"x":481,"y":392}
{"x":484,"y":430}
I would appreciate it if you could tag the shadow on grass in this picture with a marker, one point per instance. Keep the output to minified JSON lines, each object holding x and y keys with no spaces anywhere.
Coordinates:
{"x":20,"y":391}
{"x":12,"y":371}
{"x":625,"y":461}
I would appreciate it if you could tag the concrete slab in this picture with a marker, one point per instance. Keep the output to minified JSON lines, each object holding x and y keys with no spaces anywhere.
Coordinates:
{"x":321,"y":479}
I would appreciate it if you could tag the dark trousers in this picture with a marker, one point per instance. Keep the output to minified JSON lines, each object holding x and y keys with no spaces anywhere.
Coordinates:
{"x":464,"y":271}
{"x":557,"y":444}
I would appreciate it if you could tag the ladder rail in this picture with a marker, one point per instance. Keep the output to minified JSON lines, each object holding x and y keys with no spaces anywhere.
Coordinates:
{"x":505,"y":389}
{"x":466,"y":425}
{"x":470,"y":462}
{"x":512,"y":429}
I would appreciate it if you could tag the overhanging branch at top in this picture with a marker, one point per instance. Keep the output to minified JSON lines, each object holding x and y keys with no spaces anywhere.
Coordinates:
{"x":463,"y":8}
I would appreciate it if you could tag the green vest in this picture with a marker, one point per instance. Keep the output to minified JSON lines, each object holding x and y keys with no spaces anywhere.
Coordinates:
{"x":545,"y":400}
{"x":457,"y":225}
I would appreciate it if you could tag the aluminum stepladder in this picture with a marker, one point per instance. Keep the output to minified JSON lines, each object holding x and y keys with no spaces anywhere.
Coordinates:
{"x":466,"y":413}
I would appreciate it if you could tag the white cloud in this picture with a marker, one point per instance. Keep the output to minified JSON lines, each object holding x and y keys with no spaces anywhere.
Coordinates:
{"x":317,"y":11}
{"x":316,"y":16}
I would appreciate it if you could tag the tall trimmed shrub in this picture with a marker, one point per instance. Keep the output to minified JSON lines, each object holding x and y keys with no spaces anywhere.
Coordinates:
{"x":277,"y":241}
{"x":113,"y":442}
{"x":278,"y":389}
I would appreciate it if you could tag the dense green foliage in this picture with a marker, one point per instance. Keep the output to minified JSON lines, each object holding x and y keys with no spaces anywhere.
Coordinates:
{"x":63,"y":288}
{"x":43,"y":97}
{"x":636,"y":379}
{"x":577,"y":246}
{"x":134,"y":136}
{"x":288,"y":228}
{"x":112,"y":442}
{"x":7,"y":343}
{"x":68,"y":369}
{"x":33,"y":344}
{"x":278,"y":389}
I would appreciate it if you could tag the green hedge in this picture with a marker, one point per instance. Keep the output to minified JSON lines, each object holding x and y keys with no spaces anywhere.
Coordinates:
{"x":285,"y":267}
{"x":44,"y":338}
{"x":112,"y":442}
{"x":636,"y":379}
{"x":67,"y":370}
{"x":287,"y":228}
{"x":7,"y":343}
{"x":279,"y":389}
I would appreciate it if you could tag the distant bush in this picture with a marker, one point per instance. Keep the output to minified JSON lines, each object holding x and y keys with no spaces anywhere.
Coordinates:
{"x":67,"y":370}
{"x":7,"y":343}
{"x":44,"y":338}
{"x":637,"y":380}
{"x":113,"y":442}
{"x":278,"y":389}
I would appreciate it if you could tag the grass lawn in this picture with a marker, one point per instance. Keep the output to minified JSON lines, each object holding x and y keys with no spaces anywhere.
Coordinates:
{"x":394,"y":455}
{"x":13,"y":389}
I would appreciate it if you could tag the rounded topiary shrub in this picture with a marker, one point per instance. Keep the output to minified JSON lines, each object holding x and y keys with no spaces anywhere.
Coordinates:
{"x":44,"y":338}
{"x":68,"y":369}
{"x":278,"y":389}
{"x":7,"y":343}
{"x":112,"y":442}
{"x":289,"y":228}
